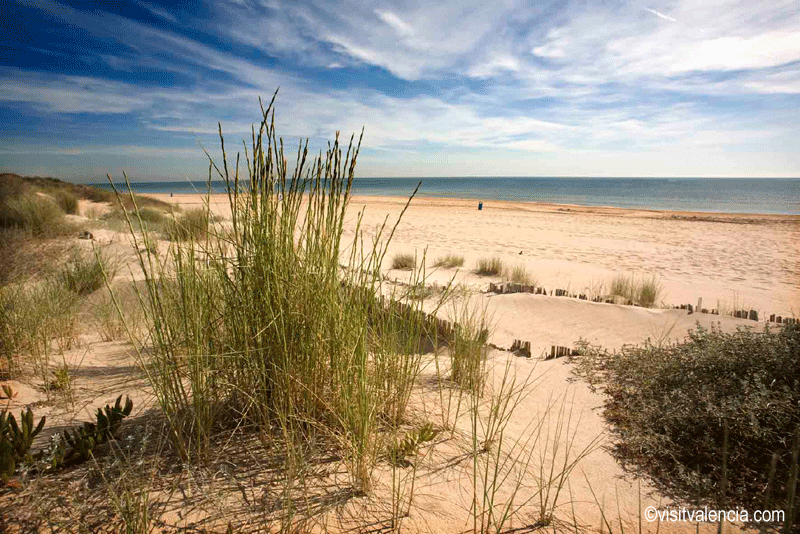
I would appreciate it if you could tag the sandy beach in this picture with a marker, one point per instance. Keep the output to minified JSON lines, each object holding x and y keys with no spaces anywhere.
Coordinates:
{"x":730,"y":261}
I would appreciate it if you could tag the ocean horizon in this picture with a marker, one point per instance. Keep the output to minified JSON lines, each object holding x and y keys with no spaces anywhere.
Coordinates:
{"x":713,"y":195}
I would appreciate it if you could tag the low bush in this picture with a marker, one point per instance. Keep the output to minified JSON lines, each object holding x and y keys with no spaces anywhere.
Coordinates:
{"x":677,"y":410}
{"x":489,"y":267}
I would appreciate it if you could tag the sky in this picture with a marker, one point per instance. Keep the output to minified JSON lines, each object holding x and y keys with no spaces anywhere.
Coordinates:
{"x":471,"y":88}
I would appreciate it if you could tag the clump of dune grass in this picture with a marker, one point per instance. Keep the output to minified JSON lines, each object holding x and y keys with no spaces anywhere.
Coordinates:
{"x":23,"y":256}
{"x":85,"y":273}
{"x":642,"y":292}
{"x":268,"y":330}
{"x":449,"y":261}
{"x":467,"y":349}
{"x":520,"y":275}
{"x":489,"y":267}
{"x":67,"y":202}
{"x":404,"y":262}
{"x":152,"y":215}
{"x":649,"y":291}
{"x":36,"y":320}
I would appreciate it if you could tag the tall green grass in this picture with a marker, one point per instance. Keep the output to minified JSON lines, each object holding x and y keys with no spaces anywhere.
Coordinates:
{"x":37,"y":321}
{"x":260,"y":325}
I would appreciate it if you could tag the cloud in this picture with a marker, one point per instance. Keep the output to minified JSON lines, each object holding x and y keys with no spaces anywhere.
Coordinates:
{"x":660,"y":15}
{"x":553,"y":79}
{"x":395,"y":22}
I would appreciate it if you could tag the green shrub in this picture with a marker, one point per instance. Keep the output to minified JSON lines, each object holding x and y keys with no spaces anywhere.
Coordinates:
{"x":489,"y":267}
{"x":405,"y":262}
{"x":449,"y":261}
{"x":670,"y":407}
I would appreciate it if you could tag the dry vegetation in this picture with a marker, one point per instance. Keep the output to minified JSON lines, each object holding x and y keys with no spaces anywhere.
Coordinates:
{"x":404,"y":262}
{"x":490,"y":267}
{"x":449,"y":261}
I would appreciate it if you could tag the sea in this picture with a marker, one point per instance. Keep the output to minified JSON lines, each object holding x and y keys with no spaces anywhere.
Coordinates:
{"x":715,"y":195}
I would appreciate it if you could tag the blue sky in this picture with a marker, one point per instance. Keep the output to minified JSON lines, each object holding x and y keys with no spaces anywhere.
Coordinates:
{"x":473,"y":88}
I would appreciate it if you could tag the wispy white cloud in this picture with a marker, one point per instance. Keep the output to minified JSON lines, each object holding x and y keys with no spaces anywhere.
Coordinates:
{"x":660,"y":15}
{"x":550,"y":80}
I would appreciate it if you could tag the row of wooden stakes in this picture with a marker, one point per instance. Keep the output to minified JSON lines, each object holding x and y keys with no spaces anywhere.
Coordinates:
{"x":693,"y":309}
{"x":515,"y":287}
{"x":558,"y":352}
{"x":739,"y":314}
{"x":523,"y":348}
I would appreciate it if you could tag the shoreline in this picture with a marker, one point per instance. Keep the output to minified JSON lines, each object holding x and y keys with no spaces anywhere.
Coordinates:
{"x":526,"y":206}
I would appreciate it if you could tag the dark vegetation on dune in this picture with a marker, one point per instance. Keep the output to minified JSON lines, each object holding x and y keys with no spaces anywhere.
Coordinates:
{"x":713,"y":420}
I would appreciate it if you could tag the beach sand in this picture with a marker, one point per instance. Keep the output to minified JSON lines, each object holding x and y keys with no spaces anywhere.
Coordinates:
{"x":730,"y":261}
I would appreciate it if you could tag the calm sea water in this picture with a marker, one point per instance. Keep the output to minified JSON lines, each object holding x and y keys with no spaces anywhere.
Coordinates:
{"x":731,"y":195}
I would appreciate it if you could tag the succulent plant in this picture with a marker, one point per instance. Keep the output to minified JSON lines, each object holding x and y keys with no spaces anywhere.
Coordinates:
{"x":16,"y":440}
{"x":83,"y":440}
{"x":409,"y":446}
